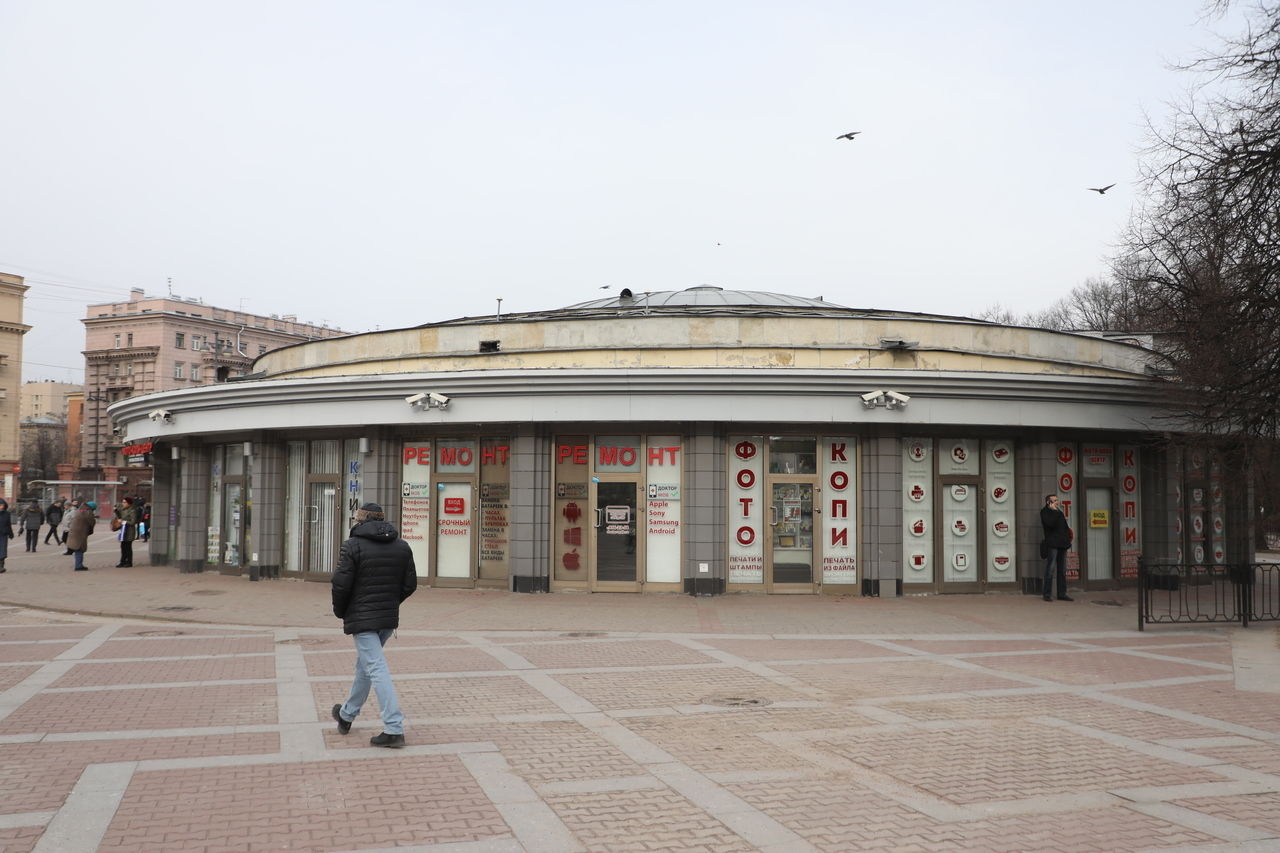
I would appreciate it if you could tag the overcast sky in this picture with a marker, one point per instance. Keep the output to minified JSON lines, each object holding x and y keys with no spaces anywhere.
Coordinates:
{"x":386,"y":163}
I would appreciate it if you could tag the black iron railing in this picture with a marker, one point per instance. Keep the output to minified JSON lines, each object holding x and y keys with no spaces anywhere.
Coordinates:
{"x":1181,"y":592}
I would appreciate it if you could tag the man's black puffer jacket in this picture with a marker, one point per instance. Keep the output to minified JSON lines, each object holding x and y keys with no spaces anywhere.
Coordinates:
{"x":375,"y":573}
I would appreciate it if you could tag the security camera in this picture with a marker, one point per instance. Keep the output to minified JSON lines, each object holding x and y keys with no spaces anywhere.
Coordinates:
{"x":439,"y":399}
{"x":115,"y":430}
{"x":872,"y":396}
{"x":415,"y":399}
{"x":161,"y":415}
{"x":895,"y":397}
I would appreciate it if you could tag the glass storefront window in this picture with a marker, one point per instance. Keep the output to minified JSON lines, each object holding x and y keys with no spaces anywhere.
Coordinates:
{"x":793,"y":455}
{"x":295,"y":481}
{"x":572,"y":469}
{"x":325,"y":457}
{"x":495,"y":508}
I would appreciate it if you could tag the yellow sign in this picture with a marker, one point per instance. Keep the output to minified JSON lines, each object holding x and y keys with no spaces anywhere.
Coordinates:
{"x":1099,"y":518}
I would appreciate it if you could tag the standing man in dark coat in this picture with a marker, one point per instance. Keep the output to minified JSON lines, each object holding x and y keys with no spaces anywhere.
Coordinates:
{"x":375,"y":574}
{"x":1057,"y":541}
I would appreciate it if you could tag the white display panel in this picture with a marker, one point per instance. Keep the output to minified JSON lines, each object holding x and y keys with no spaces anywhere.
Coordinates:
{"x":415,"y":502}
{"x":839,"y":519}
{"x":665,"y":461}
{"x":746,"y":509}
{"x":1001,"y":518}
{"x":917,"y":510}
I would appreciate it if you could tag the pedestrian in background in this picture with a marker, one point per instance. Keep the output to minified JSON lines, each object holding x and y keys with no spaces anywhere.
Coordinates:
{"x":1057,"y":541}
{"x":145,"y":529}
{"x":375,"y":574}
{"x":53,"y":517}
{"x":6,"y":532}
{"x":65,"y":527}
{"x":31,"y":520}
{"x":127,"y":514}
{"x":82,"y":523}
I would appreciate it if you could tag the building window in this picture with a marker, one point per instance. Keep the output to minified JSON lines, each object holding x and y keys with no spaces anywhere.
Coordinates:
{"x":129,"y":340}
{"x":117,"y":345}
{"x":115,"y":369}
{"x":262,"y":349}
{"x":128,"y":369}
{"x":195,"y":373}
{"x":197,"y":342}
{"x":179,"y":340}
{"x":177,"y":370}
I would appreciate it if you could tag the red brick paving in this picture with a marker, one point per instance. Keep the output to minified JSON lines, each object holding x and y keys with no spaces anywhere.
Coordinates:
{"x":147,"y":708}
{"x":332,"y":805}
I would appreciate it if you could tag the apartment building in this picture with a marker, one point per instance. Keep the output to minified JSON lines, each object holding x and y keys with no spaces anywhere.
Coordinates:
{"x":12,"y":294}
{"x":163,"y":343}
{"x":46,"y":399}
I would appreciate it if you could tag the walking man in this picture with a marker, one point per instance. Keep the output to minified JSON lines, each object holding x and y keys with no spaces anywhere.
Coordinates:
{"x":53,"y":517}
{"x":375,"y":574}
{"x":32,"y":519}
{"x":1057,"y":541}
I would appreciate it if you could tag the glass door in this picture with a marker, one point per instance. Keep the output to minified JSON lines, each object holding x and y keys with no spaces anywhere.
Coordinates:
{"x":616,"y":558}
{"x":232,"y":527}
{"x":321,"y":526}
{"x":455,"y":534}
{"x":1099,"y":537}
{"x":791,"y":537}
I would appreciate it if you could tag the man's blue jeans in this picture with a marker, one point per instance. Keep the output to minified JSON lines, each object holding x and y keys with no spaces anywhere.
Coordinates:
{"x":77,"y":559}
{"x":372,"y":671}
{"x":1057,"y":558}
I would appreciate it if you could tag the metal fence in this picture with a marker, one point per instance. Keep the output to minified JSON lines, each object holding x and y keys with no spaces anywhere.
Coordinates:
{"x":1180,"y":592}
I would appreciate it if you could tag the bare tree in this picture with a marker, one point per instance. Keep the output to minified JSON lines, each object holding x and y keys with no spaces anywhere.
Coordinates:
{"x":1203,"y":255}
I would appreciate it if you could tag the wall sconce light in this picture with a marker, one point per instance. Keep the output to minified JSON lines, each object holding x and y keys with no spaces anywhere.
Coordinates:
{"x":364,"y":444}
{"x":248,"y":448}
{"x":428,"y":400}
{"x":174,"y":453}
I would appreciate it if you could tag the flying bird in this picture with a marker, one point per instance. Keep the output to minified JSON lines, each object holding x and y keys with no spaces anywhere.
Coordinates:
{"x":850,"y":135}
{"x":1100,"y":190}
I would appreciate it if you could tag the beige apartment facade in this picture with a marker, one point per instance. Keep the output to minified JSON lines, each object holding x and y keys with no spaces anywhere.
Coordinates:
{"x":12,"y":329}
{"x":160,"y":343}
{"x":46,"y":399}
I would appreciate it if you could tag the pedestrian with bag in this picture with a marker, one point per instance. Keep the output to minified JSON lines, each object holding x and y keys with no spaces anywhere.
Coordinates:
{"x":1054,"y":547}
{"x":6,"y":532}
{"x":125,"y":524}
{"x":375,"y":575}
{"x":82,"y":524}
{"x":65,"y":528}
{"x":31,"y":520}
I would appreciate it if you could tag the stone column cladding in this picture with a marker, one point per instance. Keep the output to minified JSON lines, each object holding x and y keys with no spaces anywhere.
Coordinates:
{"x":266,"y":515}
{"x":380,"y":476}
{"x":1036,"y":477}
{"x":531,"y":526}
{"x":161,"y":500}
{"x":881,"y":516}
{"x":1157,"y":473}
{"x":194,"y":500}
{"x":706,"y":513}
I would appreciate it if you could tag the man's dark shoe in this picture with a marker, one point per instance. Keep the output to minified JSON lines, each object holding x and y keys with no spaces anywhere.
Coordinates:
{"x":389,"y":741}
{"x":1047,"y":598}
{"x":1065,"y":598}
{"x":344,"y":726}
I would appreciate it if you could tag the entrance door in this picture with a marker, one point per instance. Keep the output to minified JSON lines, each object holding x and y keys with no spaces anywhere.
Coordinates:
{"x":1099,"y":537}
{"x":321,"y":528}
{"x":455,"y":535}
{"x":961,"y":536}
{"x":232,"y":556}
{"x":790,"y":545}
{"x":616,"y":549}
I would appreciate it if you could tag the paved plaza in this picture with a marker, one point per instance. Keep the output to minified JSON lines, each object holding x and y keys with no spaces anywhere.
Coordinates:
{"x":146,"y":710}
